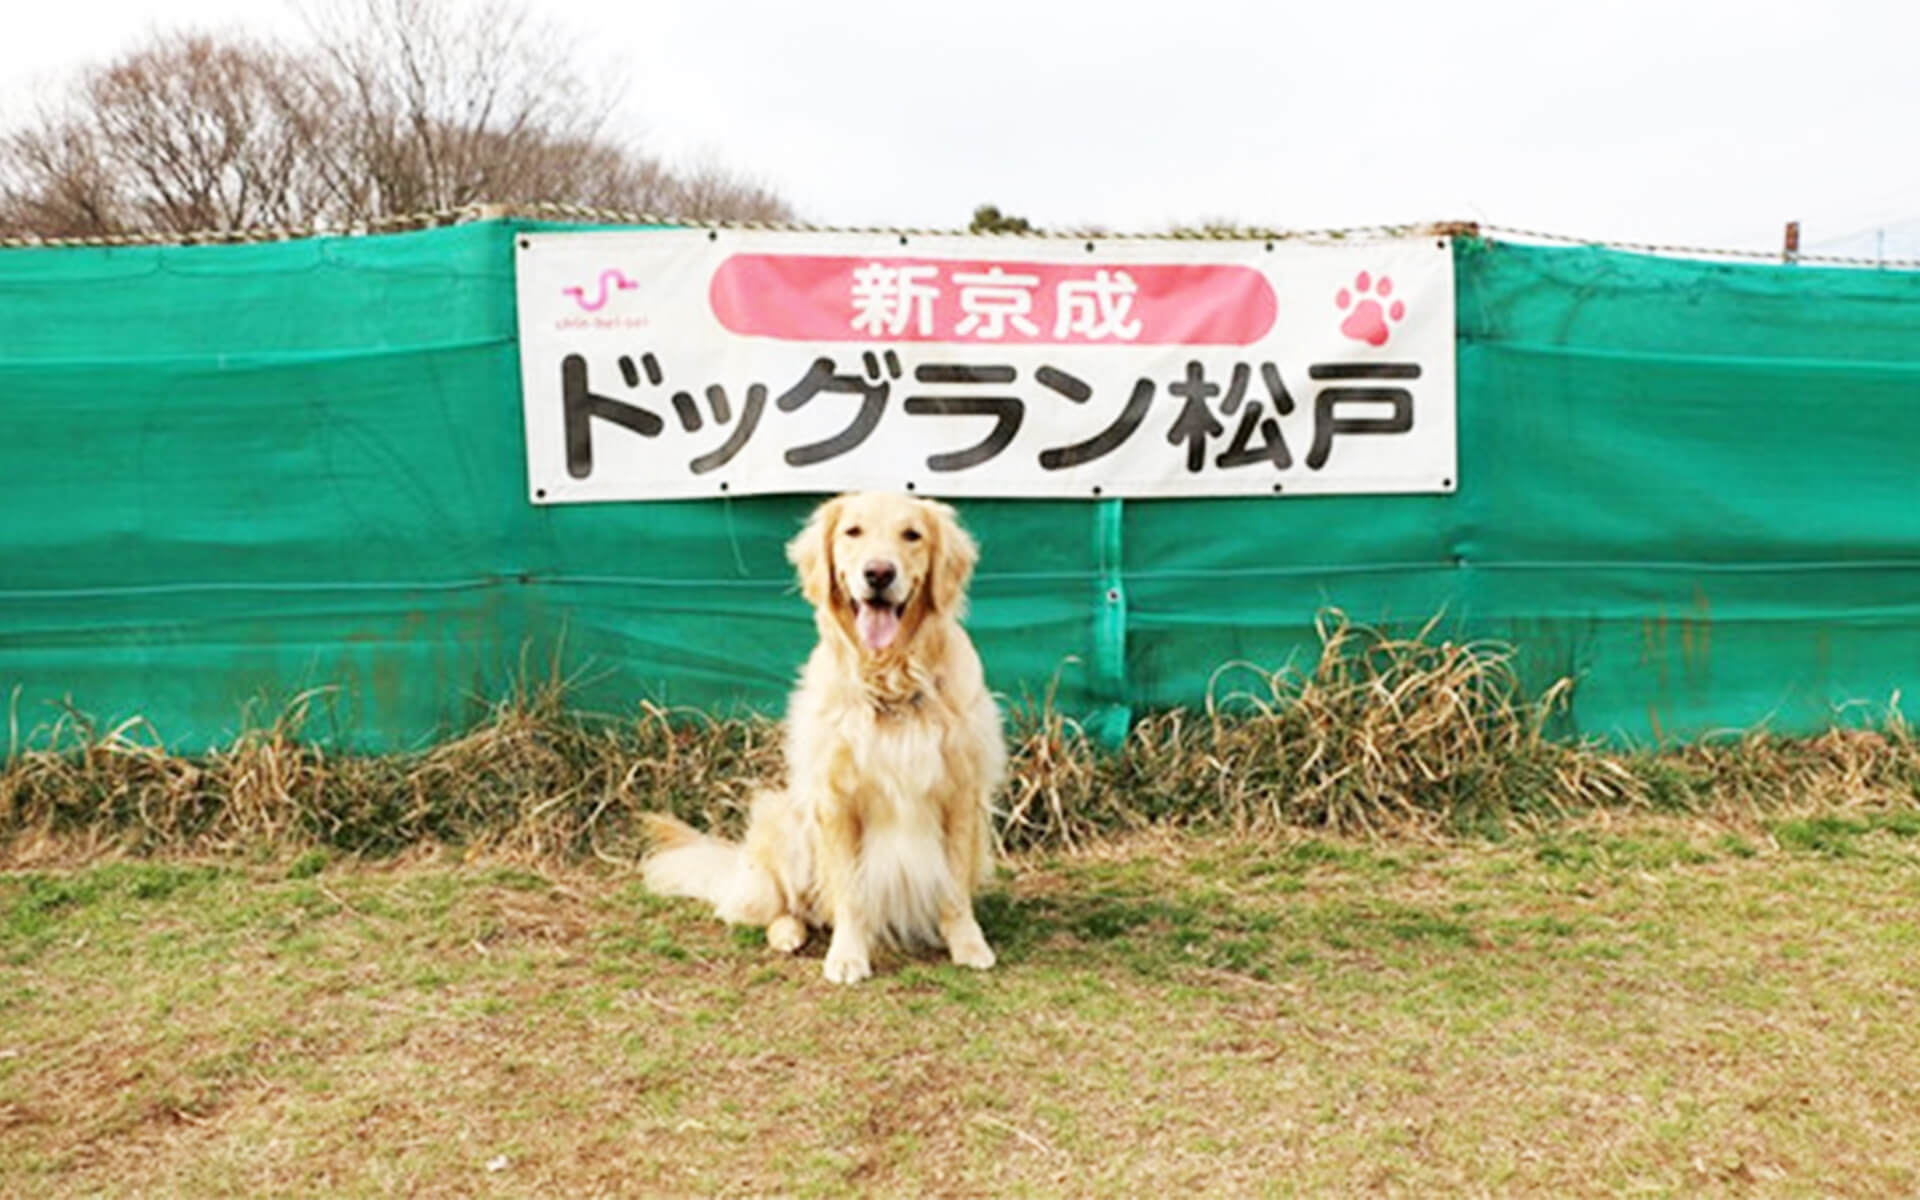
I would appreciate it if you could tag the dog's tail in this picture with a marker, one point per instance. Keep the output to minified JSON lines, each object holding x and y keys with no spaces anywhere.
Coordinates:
{"x":686,"y":862}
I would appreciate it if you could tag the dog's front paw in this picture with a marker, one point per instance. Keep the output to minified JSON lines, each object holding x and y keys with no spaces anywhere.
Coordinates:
{"x":846,"y":968}
{"x":965,"y":943}
{"x":786,"y":934}
{"x":972,"y":952}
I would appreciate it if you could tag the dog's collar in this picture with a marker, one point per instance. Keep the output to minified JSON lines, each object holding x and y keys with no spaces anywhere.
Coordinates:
{"x":888,"y":706}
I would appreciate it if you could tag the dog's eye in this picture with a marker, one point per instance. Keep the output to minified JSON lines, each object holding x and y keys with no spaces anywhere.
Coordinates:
{"x":850,"y":531}
{"x":912,"y":535}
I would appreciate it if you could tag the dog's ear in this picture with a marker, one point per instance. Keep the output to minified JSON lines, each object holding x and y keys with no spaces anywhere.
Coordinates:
{"x":811,"y":553}
{"x":954,"y":553}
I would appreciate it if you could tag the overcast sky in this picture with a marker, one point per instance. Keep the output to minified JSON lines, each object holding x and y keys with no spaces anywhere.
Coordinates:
{"x":1708,"y":123}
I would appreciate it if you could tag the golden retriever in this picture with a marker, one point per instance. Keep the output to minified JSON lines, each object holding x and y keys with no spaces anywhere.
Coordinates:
{"x":894,"y":751}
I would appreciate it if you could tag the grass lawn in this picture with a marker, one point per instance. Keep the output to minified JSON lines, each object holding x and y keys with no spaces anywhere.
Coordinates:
{"x":1631,"y":1005}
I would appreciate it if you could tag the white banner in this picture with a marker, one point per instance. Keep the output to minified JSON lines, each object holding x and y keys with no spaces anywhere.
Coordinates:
{"x":684,"y":363}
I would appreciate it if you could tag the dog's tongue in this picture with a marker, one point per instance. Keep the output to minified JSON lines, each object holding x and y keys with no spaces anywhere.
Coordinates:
{"x":877,"y":624}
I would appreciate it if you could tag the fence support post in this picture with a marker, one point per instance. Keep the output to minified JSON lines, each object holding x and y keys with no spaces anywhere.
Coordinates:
{"x":1113,"y":714}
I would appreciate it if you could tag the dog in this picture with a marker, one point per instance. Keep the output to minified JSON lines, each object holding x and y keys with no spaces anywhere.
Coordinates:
{"x":894,"y":752}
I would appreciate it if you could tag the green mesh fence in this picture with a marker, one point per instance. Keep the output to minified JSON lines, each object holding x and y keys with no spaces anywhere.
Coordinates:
{"x":238,"y":473}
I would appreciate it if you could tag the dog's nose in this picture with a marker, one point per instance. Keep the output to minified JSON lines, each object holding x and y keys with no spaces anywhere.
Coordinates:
{"x":879,"y":575}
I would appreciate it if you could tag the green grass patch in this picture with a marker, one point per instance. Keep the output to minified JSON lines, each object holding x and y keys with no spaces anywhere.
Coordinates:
{"x":1838,"y":836}
{"x":1648,"y":1006}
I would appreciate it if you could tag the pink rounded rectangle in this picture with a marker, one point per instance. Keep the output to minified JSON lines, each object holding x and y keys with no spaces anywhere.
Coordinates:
{"x":822,"y":298}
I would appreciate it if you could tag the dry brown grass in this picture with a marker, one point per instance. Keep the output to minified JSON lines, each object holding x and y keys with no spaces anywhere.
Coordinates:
{"x":1383,"y":734}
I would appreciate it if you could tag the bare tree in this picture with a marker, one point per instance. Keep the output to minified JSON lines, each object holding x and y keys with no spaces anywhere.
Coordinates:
{"x":53,"y":181}
{"x":400,"y":107}
{"x":1213,"y":226}
{"x":207,"y":133}
{"x":187,"y":133}
{"x":442,"y":109}
{"x":710,"y":192}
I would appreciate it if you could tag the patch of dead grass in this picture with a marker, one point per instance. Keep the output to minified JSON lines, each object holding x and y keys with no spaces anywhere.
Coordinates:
{"x":1407,"y":737}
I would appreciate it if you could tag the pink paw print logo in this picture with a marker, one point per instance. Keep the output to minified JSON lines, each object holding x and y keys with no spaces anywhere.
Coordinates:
{"x":1374,"y":312}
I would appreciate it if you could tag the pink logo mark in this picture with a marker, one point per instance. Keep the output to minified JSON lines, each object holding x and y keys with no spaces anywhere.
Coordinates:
{"x":1369,"y":320}
{"x":601,"y":292}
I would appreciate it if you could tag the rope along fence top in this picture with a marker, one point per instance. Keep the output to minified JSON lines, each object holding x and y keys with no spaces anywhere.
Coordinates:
{"x":588,"y":214}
